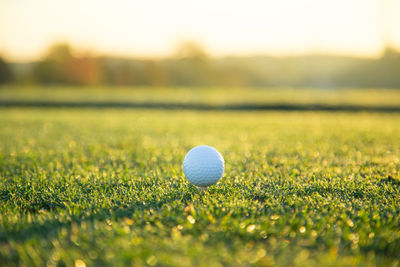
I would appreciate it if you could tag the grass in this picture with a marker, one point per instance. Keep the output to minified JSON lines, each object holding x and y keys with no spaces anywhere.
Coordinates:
{"x":105,"y":187}
{"x":209,"y":96}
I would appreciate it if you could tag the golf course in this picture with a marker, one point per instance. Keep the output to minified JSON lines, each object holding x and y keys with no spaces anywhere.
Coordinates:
{"x":104,"y":186}
{"x":199,"y":133}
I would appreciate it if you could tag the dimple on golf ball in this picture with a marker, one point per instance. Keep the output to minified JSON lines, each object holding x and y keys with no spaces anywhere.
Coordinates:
{"x":203,"y":166}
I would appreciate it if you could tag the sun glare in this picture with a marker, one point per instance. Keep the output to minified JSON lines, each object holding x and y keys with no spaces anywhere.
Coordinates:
{"x":153,"y":28}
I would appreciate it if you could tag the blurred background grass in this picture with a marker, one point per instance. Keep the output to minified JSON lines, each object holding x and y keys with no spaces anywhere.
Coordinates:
{"x":207,"y":96}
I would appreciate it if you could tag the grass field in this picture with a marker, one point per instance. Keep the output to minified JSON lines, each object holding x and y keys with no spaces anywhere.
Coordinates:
{"x":208,"y":96}
{"x":105,"y":187}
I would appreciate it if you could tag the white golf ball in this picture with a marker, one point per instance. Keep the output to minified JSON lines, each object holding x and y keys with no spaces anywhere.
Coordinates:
{"x":203,"y":166}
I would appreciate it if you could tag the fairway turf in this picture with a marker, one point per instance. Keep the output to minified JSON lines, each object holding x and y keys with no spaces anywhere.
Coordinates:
{"x":106,"y":187}
{"x":365,"y":97}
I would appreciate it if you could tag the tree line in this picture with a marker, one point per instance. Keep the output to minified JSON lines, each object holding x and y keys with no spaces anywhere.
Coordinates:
{"x":191,"y":66}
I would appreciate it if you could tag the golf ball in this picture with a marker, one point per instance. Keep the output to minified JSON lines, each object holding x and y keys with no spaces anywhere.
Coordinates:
{"x":203,"y":166}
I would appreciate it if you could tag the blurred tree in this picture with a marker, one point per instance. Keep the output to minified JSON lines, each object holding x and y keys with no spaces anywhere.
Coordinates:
{"x":6,"y":74}
{"x":191,"y":66}
{"x":52,"y":69}
{"x":59,"y":66}
{"x":391,"y":53}
{"x":156,"y":73}
{"x":373,"y":73}
{"x":124,"y":74}
{"x":192,"y":51}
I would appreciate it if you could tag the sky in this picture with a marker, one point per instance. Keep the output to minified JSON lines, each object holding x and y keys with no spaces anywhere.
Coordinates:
{"x":149,"y":28}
